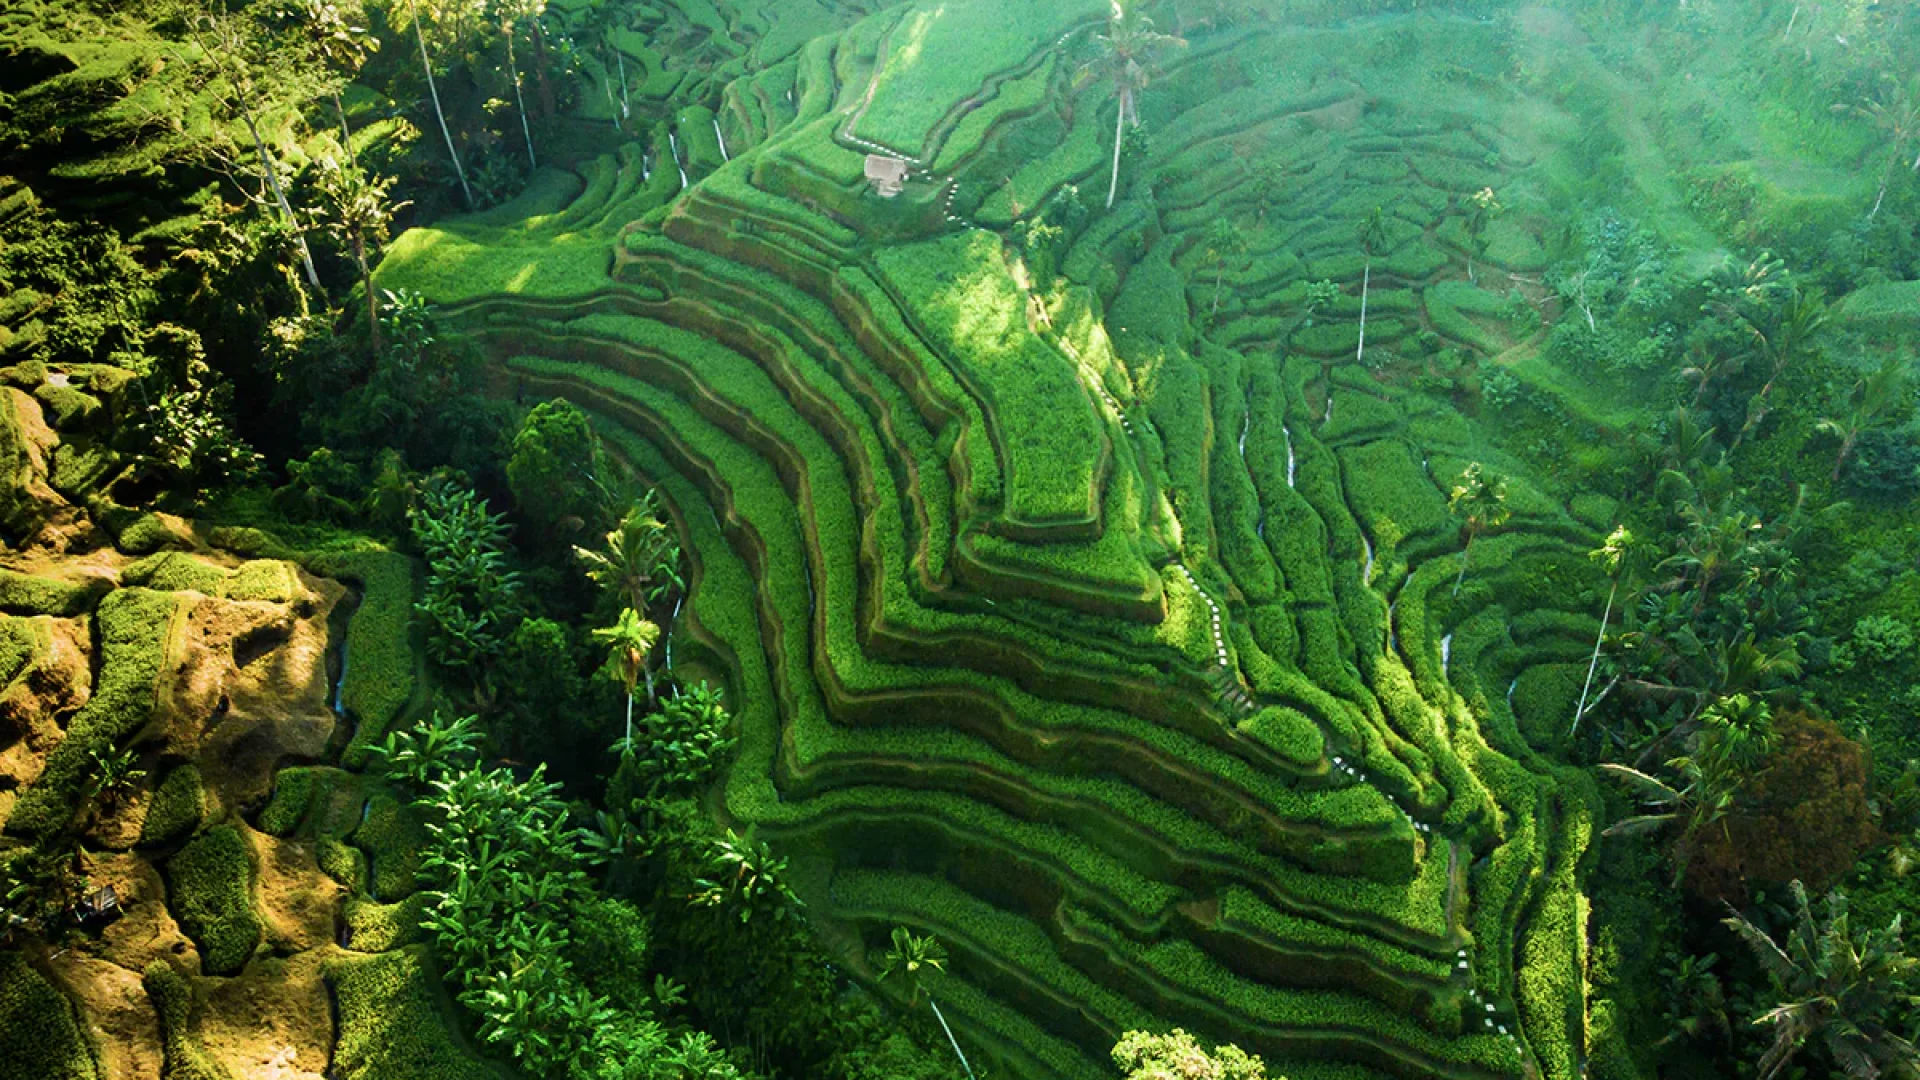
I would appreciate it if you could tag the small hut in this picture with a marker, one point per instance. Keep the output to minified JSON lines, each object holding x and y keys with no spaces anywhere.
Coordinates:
{"x":888,"y":175}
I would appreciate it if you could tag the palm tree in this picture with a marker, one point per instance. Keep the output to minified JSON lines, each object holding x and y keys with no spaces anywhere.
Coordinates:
{"x":1373,"y":240}
{"x":1482,"y":207}
{"x":358,"y":210}
{"x":1618,"y":555}
{"x":1733,"y":739}
{"x":641,"y":559}
{"x":1847,"y":989}
{"x":628,"y":643}
{"x":1868,"y":406}
{"x":1224,"y":241}
{"x":906,"y":961}
{"x":1479,"y":500}
{"x":510,"y":12}
{"x":340,"y":39}
{"x":1780,"y":336}
{"x":1896,"y":112}
{"x":1127,"y":47}
{"x":433,"y":89}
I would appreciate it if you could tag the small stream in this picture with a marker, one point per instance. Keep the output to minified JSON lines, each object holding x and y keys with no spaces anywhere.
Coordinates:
{"x":1327,"y":417}
{"x":340,"y":683}
{"x":1446,"y":652}
{"x":1287,"y":433}
{"x":1511,"y":687}
{"x":724,"y":156}
{"x":1393,"y":634}
{"x":1366,"y":572}
{"x":646,"y":168}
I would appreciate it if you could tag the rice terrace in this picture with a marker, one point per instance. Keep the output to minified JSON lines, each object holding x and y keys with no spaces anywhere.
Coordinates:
{"x":1017,"y":539}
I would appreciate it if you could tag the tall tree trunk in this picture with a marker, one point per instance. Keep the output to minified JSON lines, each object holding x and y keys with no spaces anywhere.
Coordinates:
{"x":346,"y":133}
{"x":1464,"y":556}
{"x":366,"y":284}
{"x":1366,"y":282}
{"x":629,"y":742}
{"x":280,"y":197}
{"x":1580,"y":710}
{"x":520,"y":103}
{"x":540,"y":70}
{"x":626,"y":104}
{"x":1119,"y":125}
{"x":938,"y":1015}
{"x":1846,"y":450}
{"x":439,"y":113}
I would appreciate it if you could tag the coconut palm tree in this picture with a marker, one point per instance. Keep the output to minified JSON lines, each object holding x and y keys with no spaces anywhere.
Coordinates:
{"x":910,"y":957}
{"x":1480,"y":211}
{"x":1479,"y":500}
{"x":1896,"y":112}
{"x":1373,"y":240}
{"x":628,"y":643}
{"x":358,"y":210}
{"x":1127,"y":51}
{"x":1845,"y":989}
{"x":1872,"y":402}
{"x":433,"y":89}
{"x":511,"y":12}
{"x":1224,"y":241}
{"x":1619,"y":556}
{"x":641,"y":559}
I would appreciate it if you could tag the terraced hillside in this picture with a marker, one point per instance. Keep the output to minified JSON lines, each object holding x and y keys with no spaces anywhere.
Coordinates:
{"x":1125,"y":659}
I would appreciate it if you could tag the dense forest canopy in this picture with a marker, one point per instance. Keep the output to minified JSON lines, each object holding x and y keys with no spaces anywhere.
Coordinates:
{"x":1216,"y":539}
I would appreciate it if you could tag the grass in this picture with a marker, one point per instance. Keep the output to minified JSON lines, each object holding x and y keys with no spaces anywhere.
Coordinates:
{"x":1011,"y":98}
{"x":940,"y":53}
{"x":960,"y":290}
{"x":381,"y":658}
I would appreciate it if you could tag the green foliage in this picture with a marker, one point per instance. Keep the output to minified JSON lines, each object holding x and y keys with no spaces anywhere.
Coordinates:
{"x":177,"y":807}
{"x":379,"y":678}
{"x":1144,"y":1056}
{"x":395,"y":1022}
{"x":681,"y":747}
{"x":210,"y":890}
{"x":29,"y":594}
{"x":40,"y":1037}
{"x":471,"y":595}
{"x":175,"y":571}
{"x":556,"y":469}
{"x":394,"y":835}
{"x":432,"y":748}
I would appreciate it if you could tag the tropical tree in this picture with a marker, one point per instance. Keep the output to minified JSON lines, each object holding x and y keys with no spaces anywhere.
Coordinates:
{"x":744,"y":872}
{"x":629,"y":641}
{"x":1734,"y":737}
{"x":1871,"y":403}
{"x":909,"y":958}
{"x":1224,"y":241}
{"x":1896,"y":112}
{"x":1781,"y":334}
{"x":250,"y":74}
{"x":357,"y":208}
{"x":1480,"y":212}
{"x":1479,"y":500}
{"x":1127,"y":53}
{"x":1143,"y":1055}
{"x":433,"y":90}
{"x":337,"y":32}
{"x":1373,"y":240}
{"x":1618,"y":556}
{"x":1847,"y":990}
{"x":640,"y":561}
{"x":511,"y":12}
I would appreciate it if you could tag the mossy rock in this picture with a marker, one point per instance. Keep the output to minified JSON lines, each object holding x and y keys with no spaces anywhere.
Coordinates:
{"x":148,"y":533}
{"x":30,"y":594}
{"x":175,"y":571}
{"x":287,"y":807}
{"x":342,"y":862}
{"x":375,"y":927}
{"x":40,"y":1037}
{"x":178,"y":806}
{"x":264,"y":579}
{"x":393,"y":836}
{"x":68,"y":408}
{"x":210,"y":889}
{"x":395,"y":1021}
{"x":173,"y":1001}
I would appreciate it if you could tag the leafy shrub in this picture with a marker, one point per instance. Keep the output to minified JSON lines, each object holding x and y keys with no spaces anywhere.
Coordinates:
{"x":210,"y":890}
